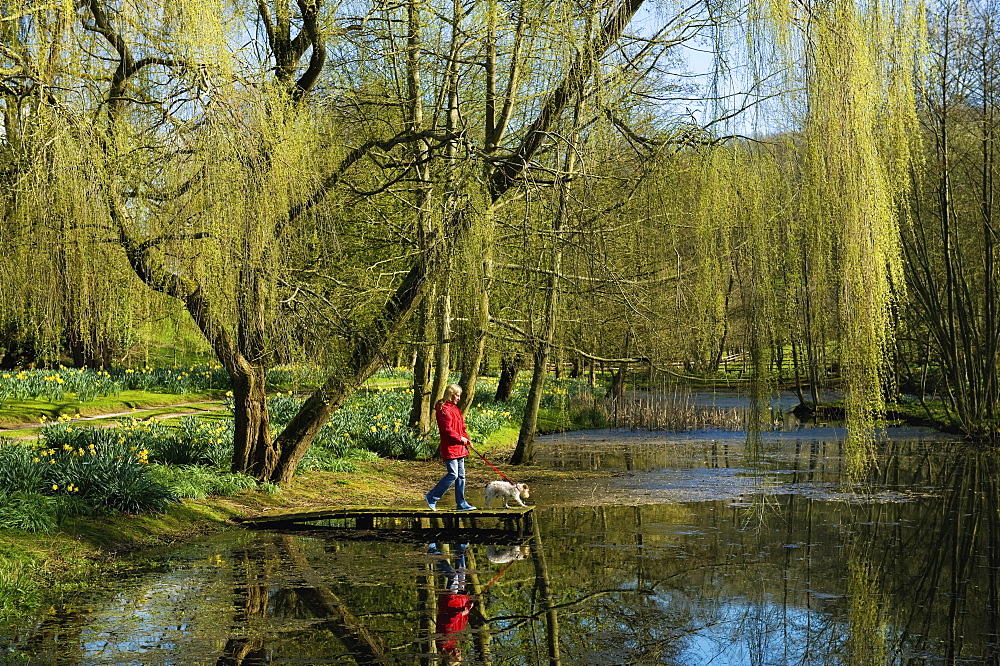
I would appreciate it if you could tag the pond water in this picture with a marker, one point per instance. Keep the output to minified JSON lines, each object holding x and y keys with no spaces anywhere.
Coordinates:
{"x":699,"y":551}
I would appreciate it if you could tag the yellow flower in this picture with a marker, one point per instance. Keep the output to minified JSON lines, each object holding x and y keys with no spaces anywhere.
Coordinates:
{"x":55,"y":487}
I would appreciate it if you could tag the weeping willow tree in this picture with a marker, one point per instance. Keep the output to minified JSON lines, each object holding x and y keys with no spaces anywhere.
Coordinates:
{"x":829,"y":191}
{"x":859,"y":127}
{"x":211,"y":154}
{"x":806,"y":218}
{"x":198,"y":169}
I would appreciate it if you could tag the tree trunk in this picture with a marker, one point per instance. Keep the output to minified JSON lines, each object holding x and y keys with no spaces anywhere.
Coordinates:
{"x":524,"y":452}
{"x":420,"y":406}
{"x":442,"y":361}
{"x":254,"y":452}
{"x":510,"y":365}
{"x":616,"y":391}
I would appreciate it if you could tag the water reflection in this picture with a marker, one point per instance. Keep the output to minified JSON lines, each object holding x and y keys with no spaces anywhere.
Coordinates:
{"x":454,"y":603}
{"x":787,"y":568}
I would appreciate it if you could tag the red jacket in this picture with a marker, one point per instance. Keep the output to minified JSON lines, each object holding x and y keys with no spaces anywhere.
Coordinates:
{"x":451,"y":426}
{"x":452,"y":617}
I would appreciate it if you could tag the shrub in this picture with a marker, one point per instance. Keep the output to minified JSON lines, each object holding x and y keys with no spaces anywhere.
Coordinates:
{"x":96,"y":467}
{"x":18,"y":471}
{"x":192,"y":442}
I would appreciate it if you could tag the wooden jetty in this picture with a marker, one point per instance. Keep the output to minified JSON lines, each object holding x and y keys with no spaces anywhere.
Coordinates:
{"x":517,"y":519}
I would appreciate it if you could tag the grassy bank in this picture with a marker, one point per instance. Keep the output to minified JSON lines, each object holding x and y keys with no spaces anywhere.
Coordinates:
{"x":43,"y":570}
{"x":82,"y":528}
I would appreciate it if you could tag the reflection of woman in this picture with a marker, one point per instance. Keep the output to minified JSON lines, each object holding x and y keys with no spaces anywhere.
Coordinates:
{"x":454,"y":448}
{"x":453,"y":607}
{"x":452,"y":617}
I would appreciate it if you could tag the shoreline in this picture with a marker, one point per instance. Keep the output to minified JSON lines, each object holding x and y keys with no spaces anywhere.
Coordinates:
{"x":39,"y":570}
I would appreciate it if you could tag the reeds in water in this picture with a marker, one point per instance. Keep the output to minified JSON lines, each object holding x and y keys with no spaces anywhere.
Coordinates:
{"x":677,"y":411}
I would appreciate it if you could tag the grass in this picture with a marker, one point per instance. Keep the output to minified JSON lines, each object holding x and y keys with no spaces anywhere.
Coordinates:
{"x":22,"y":412}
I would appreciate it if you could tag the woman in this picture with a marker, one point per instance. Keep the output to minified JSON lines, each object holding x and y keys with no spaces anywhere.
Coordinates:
{"x":454,"y":448}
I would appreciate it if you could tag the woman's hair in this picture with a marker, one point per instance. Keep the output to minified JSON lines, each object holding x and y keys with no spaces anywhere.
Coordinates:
{"x":449,"y":391}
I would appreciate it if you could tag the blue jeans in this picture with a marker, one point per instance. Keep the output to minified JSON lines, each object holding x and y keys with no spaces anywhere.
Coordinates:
{"x":455,"y":474}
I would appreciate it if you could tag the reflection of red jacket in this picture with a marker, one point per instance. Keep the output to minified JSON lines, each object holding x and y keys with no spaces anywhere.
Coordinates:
{"x":452,"y":617}
{"x":451,"y":425}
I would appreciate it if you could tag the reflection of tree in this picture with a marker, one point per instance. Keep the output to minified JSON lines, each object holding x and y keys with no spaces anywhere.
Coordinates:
{"x":257,"y":567}
{"x":867,"y":630}
{"x":252,"y":566}
{"x":360,"y":641}
{"x":544,"y":592}
{"x":426,"y":614}
{"x":939,"y":557}
{"x":478,"y":619}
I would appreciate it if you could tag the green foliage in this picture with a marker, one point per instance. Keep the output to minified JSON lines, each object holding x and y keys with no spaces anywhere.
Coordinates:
{"x":187,"y":379}
{"x":371,"y":420}
{"x":282,"y":408}
{"x":481,"y":422}
{"x":96,"y":468}
{"x":394,"y":373}
{"x":18,"y":469}
{"x":320,"y":459}
{"x":193,"y":441}
{"x":291,"y":377}
{"x":26,"y":511}
{"x":53,"y":385}
{"x":87,"y":385}
{"x":198,"y":482}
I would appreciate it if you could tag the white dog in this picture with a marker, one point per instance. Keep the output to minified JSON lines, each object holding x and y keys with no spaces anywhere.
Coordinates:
{"x":505,"y":554}
{"x":506,"y":491}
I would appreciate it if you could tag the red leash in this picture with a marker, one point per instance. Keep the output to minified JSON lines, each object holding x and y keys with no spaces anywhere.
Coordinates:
{"x":502,"y":475}
{"x":497,"y":577}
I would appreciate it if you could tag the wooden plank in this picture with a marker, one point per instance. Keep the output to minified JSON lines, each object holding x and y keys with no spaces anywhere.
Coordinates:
{"x":367,"y":515}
